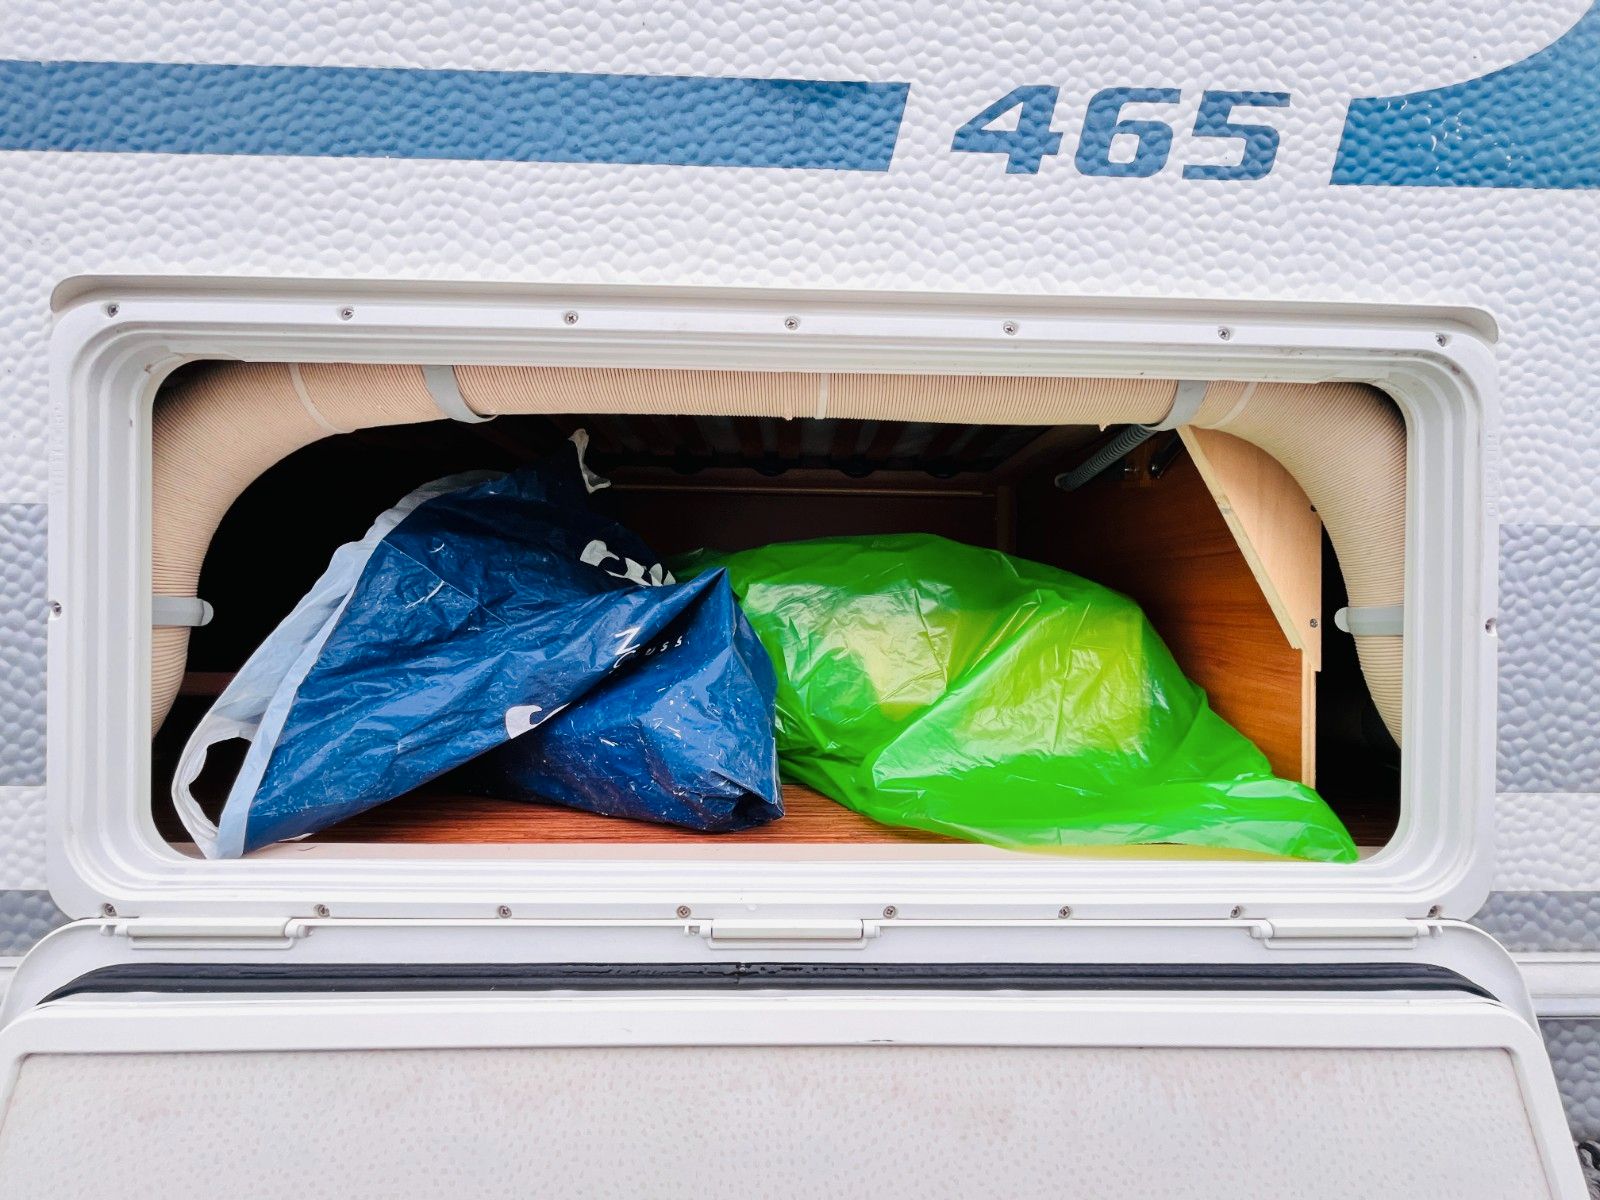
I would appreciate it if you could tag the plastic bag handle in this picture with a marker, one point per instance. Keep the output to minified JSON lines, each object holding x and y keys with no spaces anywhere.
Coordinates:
{"x":211,"y":730}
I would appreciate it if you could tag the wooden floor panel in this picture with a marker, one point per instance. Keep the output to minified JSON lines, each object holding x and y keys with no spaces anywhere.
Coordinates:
{"x":421,"y":817}
{"x":808,"y":818}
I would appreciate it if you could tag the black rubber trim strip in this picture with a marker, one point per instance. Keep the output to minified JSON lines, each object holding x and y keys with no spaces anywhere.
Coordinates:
{"x":227,"y":978}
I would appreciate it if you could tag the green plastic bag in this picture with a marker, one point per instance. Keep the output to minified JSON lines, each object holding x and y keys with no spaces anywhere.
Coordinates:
{"x":961,"y":690}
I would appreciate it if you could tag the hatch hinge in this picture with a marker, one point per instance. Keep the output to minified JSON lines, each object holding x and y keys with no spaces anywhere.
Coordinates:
{"x":754,"y":933}
{"x":1310,"y":933}
{"x":219,"y":933}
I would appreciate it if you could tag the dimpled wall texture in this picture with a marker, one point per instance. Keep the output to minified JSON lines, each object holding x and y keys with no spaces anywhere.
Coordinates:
{"x":936,"y":220}
{"x":1549,"y":659}
{"x":1575,"y":1053}
{"x":1547,"y":877}
{"x":26,"y":915}
{"x":22,"y":635}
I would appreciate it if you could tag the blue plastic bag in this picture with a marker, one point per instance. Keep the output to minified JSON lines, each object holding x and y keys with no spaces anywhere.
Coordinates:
{"x":497,"y":618}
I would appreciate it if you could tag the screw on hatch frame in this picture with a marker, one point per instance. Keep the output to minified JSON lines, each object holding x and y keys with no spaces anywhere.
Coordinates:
{"x":683,"y":910}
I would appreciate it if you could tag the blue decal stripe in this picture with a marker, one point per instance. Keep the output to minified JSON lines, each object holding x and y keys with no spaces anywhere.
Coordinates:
{"x":1528,"y":125}
{"x":519,"y":116}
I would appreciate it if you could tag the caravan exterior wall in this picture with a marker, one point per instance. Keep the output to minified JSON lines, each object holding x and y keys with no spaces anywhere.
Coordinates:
{"x":1331,"y":154}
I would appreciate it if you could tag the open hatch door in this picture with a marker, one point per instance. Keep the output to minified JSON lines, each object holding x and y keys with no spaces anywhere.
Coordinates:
{"x":395,"y":1059}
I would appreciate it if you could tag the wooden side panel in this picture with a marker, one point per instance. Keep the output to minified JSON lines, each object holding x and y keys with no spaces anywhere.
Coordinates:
{"x":1165,"y":543}
{"x":1278,"y":532}
{"x":736,"y":510}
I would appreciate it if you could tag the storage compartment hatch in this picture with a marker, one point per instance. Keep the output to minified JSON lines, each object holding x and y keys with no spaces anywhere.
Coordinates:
{"x":1210,"y":535}
{"x":1194,"y":466}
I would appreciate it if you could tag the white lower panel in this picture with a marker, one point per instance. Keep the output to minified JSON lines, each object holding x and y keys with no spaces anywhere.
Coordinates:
{"x":885,"y":1096}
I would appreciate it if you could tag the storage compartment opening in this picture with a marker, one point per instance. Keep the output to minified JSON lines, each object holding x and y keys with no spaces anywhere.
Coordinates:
{"x":1212,"y":537}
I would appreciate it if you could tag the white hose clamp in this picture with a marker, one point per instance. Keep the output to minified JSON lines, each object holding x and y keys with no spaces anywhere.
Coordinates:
{"x":446,"y":392}
{"x":188,"y":611}
{"x":1388,"y":620}
{"x":1186,"y":402}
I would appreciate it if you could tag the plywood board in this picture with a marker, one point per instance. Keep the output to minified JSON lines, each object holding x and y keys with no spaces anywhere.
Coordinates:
{"x":810,"y":819}
{"x":429,"y":816}
{"x":1277,"y":529}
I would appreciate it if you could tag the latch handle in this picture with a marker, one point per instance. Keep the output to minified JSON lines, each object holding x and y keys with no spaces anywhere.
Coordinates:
{"x":215,"y":933}
{"x":1314,"y":933}
{"x":738,"y":931}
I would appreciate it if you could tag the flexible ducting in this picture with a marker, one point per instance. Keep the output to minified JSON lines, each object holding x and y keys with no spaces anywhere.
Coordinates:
{"x":217,"y":430}
{"x":1345,"y":445}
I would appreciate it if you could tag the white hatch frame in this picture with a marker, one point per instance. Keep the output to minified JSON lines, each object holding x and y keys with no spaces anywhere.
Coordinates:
{"x":116,"y":339}
{"x":1387,"y":952}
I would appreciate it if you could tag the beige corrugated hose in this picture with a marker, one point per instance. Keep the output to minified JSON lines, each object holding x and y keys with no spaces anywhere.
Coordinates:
{"x":217,"y":430}
{"x":1346,"y":448}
